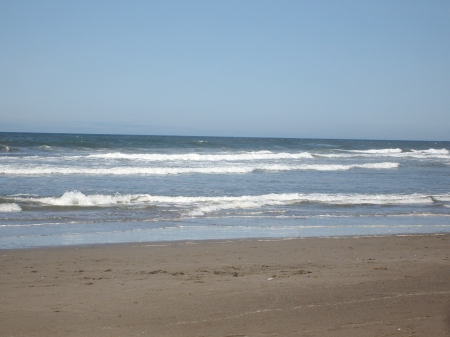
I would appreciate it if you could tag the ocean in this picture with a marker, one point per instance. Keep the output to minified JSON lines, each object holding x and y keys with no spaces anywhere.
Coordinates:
{"x":75,"y":189}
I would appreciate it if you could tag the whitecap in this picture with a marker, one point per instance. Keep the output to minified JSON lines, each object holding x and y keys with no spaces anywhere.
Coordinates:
{"x":76,"y":198}
{"x":374,"y":151}
{"x":5,"y":148}
{"x":432,"y":151}
{"x":245,"y":156}
{"x":7,"y":208}
{"x":130,"y":170}
{"x":207,"y":204}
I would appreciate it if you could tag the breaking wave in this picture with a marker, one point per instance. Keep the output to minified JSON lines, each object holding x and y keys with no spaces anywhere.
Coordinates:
{"x":377,"y":151}
{"x":7,"y":208}
{"x":132,"y":170}
{"x":5,"y":148}
{"x":202,"y":204}
{"x":394,"y":153}
{"x":258,"y":155}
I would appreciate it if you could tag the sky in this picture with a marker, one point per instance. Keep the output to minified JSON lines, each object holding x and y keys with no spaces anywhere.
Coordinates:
{"x":304,"y":69}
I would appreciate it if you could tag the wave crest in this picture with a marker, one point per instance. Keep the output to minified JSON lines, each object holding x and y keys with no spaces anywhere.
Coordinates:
{"x":204,"y":204}
{"x":132,"y":170}
{"x":397,"y":150}
{"x":247,"y":156}
{"x":8,"y":208}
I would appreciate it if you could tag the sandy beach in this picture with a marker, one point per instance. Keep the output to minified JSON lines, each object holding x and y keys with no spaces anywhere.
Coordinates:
{"x":360,"y":286}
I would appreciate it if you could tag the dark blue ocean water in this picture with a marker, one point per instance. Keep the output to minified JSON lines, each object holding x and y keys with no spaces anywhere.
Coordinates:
{"x":59,"y":189}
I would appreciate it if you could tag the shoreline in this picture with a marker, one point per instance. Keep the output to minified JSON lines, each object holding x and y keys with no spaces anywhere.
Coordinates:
{"x":181,"y":241}
{"x":347,"y":286}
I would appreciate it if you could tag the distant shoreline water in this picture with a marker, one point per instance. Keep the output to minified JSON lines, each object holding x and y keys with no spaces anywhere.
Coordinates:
{"x":65,"y":189}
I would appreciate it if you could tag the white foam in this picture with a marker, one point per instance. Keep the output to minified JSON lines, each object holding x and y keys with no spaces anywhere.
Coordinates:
{"x":75,"y":198}
{"x":384,"y":165}
{"x":432,"y":151}
{"x":392,"y":153}
{"x":121,"y":170}
{"x":415,"y":214}
{"x":252,"y":156}
{"x":383,"y":151}
{"x":246,"y":156}
{"x":7,"y":208}
{"x":132,"y":170}
{"x":203,"y":204}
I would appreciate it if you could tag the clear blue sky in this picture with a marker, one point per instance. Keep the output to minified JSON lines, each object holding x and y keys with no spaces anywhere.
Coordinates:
{"x":326,"y":69}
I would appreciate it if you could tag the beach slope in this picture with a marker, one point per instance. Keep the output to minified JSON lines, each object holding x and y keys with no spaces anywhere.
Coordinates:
{"x":360,"y":286}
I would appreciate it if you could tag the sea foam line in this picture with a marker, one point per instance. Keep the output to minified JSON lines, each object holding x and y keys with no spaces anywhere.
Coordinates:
{"x":203,"y":204}
{"x":397,"y":150}
{"x":253,"y":155}
{"x":393,"y":153}
{"x":155,"y":157}
{"x":243,"y":156}
{"x":132,"y":170}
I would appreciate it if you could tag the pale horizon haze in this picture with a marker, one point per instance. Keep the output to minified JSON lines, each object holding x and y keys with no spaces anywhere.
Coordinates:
{"x":302,"y":69}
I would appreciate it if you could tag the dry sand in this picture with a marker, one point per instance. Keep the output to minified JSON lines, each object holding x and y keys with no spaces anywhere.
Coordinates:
{"x":367,"y":286}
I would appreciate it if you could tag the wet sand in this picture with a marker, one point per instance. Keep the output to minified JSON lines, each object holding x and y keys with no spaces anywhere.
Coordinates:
{"x":366,"y":286}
